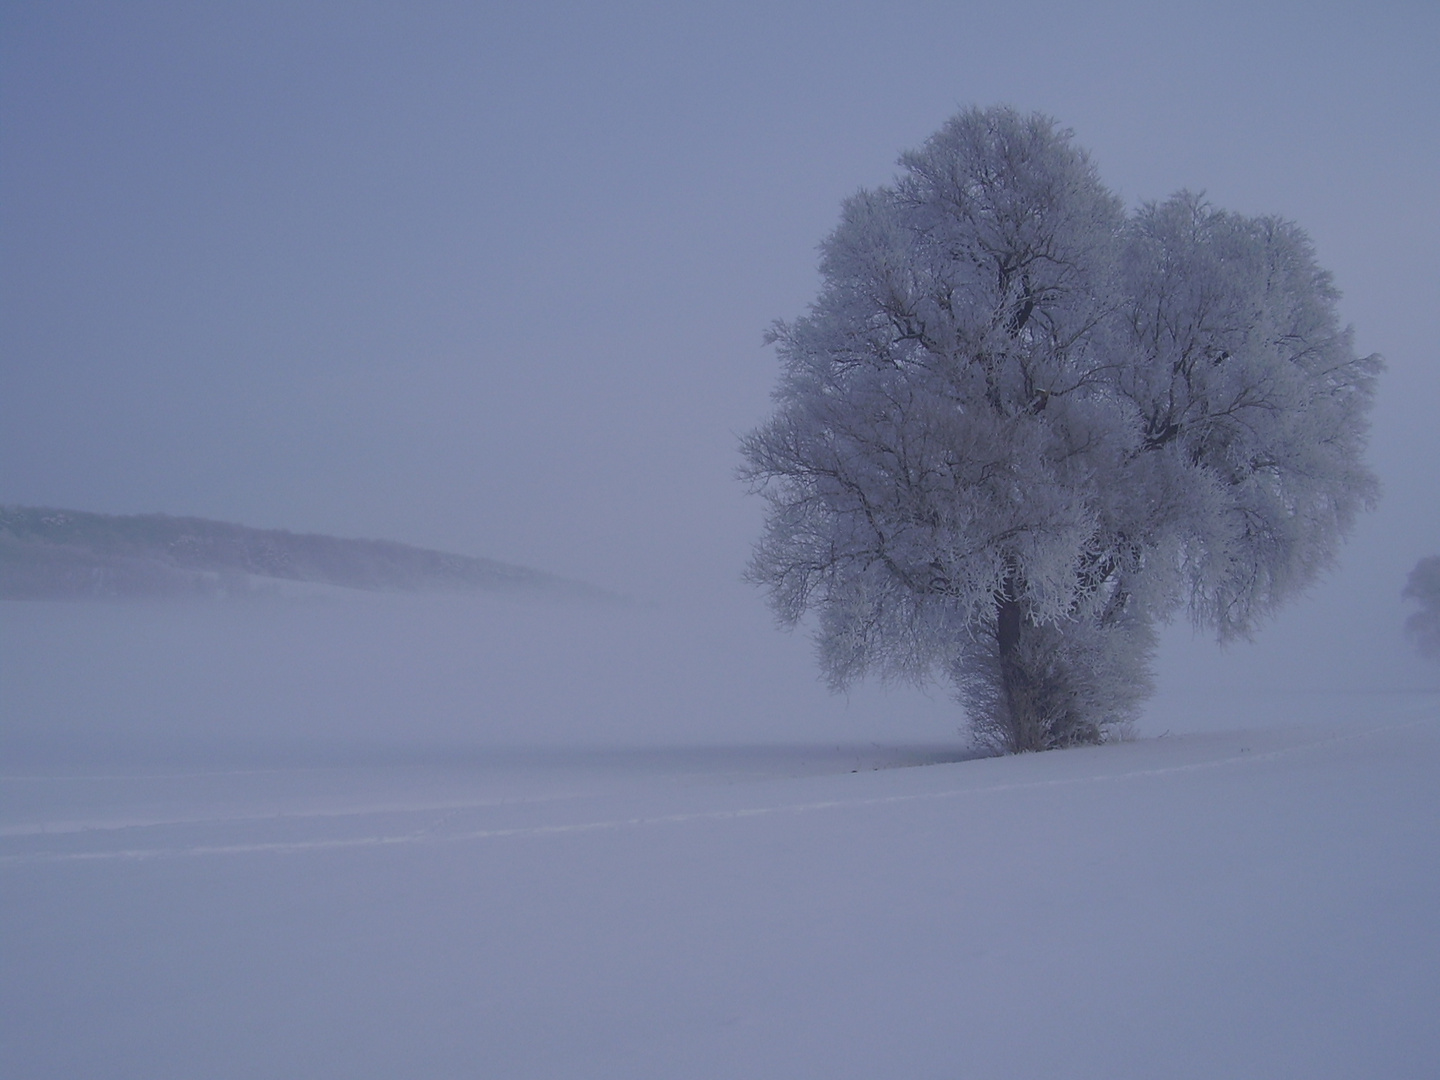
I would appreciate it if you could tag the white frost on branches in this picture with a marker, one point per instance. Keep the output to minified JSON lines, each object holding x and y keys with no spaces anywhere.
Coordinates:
{"x":1019,"y":427}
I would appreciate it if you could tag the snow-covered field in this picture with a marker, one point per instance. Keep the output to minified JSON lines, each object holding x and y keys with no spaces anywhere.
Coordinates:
{"x":385,"y":838}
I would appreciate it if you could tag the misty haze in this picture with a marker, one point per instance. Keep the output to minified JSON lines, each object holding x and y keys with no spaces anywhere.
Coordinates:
{"x":385,"y":688}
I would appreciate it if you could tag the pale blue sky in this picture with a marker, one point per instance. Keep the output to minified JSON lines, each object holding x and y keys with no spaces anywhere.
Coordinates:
{"x":493,"y":278}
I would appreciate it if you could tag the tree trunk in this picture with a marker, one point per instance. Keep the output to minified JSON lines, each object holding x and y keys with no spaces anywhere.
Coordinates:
{"x":1024,"y":725}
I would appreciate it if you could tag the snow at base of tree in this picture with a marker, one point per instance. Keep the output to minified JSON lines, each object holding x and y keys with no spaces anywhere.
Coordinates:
{"x":389,"y":835}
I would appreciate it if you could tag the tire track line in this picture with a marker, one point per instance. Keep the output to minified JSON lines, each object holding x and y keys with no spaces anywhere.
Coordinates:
{"x":427,"y":835}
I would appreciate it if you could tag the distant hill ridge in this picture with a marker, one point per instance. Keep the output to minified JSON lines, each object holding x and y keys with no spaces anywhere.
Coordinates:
{"x":48,"y":554}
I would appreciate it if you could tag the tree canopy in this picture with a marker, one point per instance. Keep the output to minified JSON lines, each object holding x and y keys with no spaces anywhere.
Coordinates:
{"x":1019,"y":427}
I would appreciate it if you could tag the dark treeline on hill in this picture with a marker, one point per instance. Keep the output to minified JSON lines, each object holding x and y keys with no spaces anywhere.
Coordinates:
{"x":48,"y":554}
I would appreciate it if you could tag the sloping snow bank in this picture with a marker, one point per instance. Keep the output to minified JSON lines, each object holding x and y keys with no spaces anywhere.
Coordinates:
{"x":391,"y":839}
{"x":1213,"y":905}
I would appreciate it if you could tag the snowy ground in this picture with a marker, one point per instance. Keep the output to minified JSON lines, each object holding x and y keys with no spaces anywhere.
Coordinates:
{"x":370,"y":841}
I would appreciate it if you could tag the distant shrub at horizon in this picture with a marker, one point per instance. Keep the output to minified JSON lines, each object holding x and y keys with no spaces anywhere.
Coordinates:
{"x":1423,"y":626}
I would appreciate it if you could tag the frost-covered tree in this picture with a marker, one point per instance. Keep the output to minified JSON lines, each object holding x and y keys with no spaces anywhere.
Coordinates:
{"x":1019,"y":427}
{"x":1423,"y":626}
